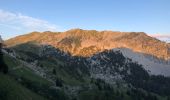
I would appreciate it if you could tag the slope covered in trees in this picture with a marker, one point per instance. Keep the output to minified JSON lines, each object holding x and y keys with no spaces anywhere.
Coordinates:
{"x":52,"y":73}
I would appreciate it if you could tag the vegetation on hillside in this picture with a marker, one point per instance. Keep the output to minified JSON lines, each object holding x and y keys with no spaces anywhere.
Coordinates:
{"x":67,"y":77}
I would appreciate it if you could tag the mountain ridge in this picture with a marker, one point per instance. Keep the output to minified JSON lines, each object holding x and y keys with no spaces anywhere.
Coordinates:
{"x":88,"y":42}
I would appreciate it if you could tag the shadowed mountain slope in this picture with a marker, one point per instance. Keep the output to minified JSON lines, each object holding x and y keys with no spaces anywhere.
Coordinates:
{"x":107,"y":72}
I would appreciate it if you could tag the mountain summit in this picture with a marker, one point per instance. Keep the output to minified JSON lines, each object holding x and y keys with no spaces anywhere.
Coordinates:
{"x":89,"y":42}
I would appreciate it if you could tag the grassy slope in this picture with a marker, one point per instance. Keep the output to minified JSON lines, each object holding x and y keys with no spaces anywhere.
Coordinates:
{"x":11,"y":89}
{"x":17,"y":70}
{"x":26,"y":77}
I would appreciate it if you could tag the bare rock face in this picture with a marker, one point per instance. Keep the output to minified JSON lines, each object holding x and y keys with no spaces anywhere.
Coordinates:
{"x":89,"y":42}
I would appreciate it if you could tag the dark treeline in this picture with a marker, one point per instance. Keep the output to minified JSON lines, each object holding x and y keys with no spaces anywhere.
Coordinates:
{"x":3,"y":66}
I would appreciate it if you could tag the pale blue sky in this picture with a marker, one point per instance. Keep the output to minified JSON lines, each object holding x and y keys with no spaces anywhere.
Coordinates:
{"x":23,"y":16}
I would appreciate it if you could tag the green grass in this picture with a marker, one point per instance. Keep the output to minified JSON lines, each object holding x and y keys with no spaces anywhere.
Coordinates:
{"x":11,"y":90}
{"x":17,"y":70}
{"x":25,"y":76}
{"x":96,"y":95}
{"x":11,"y":62}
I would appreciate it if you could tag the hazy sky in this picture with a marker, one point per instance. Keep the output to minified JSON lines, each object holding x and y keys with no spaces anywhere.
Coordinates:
{"x":23,"y":16}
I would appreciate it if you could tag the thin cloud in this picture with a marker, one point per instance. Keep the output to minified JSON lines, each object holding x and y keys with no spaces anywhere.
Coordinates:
{"x":20,"y":21}
{"x":161,"y":37}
